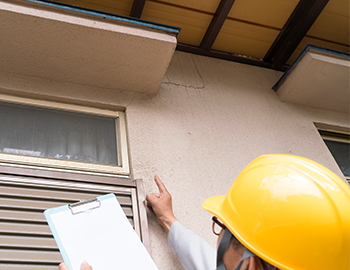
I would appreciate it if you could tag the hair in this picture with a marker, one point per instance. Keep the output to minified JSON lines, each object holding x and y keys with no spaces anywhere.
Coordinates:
{"x":235,"y":244}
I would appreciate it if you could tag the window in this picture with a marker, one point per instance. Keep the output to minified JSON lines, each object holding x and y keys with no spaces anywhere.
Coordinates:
{"x":62,"y":136}
{"x":53,"y":154}
{"x":338,"y":144}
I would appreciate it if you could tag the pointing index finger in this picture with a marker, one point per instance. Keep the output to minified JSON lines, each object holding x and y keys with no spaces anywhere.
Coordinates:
{"x":161,"y":187}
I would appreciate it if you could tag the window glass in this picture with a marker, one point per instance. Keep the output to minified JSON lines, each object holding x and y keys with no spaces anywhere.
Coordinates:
{"x":57,"y":134}
{"x":341,"y":154}
{"x":338,"y":143}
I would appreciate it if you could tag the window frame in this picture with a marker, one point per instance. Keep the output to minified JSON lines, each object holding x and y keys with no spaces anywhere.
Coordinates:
{"x":60,"y":164}
{"x":337,"y":135}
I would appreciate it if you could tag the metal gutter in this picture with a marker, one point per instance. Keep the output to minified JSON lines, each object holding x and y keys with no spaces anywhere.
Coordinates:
{"x":115,"y":17}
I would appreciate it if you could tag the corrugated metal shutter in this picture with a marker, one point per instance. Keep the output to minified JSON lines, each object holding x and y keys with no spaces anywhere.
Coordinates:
{"x":26,"y":241}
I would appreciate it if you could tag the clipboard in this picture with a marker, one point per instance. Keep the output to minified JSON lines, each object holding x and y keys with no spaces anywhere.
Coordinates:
{"x":97,"y":231}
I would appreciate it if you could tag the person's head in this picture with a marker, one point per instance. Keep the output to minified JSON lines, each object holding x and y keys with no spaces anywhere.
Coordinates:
{"x":290,"y":211}
{"x":235,"y":249}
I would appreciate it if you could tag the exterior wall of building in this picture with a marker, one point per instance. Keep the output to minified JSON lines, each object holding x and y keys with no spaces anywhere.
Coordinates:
{"x":209,"y":119}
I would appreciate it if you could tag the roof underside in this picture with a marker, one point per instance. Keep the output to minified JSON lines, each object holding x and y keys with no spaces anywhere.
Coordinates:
{"x":268,"y":33}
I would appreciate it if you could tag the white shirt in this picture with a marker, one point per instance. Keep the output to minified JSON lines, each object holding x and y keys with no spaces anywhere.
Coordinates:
{"x":193,"y":252}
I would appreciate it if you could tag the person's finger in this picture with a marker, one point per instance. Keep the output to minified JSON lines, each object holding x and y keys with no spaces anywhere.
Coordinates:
{"x":62,"y":266}
{"x":151,"y":197}
{"x":85,"y":266}
{"x":149,"y":205}
{"x":161,"y":187}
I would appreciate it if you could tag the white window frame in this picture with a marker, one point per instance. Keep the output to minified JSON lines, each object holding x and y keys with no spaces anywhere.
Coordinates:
{"x":59,"y":164}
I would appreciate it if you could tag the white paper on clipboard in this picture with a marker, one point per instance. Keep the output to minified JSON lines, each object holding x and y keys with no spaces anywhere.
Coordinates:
{"x":97,"y":231}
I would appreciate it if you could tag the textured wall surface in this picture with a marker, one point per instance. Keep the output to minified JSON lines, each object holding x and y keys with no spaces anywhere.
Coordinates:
{"x":209,"y":119}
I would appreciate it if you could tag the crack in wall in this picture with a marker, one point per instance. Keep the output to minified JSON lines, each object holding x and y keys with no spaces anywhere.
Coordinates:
{"x":169,"y":81}
{"x":199,"y":74}
{"x":183,"y":85}
{"x":133,"y":97}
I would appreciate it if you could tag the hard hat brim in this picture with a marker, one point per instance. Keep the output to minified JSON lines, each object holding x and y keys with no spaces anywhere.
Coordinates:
{"x":214,"y":205}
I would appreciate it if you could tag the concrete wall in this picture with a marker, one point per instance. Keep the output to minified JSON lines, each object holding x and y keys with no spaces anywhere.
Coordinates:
{"x":209,"y":119}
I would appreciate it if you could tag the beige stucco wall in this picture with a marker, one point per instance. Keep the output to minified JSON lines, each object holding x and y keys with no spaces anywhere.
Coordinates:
{"x":209,"y":119}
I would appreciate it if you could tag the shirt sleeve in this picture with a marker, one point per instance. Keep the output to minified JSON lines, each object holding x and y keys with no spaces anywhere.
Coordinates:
{"x":193,"y":252}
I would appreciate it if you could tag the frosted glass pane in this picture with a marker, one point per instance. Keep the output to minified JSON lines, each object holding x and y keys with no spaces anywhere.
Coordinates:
{"x":50,"y":133}
{"x":341,"y":154}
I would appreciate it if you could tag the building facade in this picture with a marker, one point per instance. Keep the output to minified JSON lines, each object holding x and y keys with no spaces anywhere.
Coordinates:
{"x":194,"y":121}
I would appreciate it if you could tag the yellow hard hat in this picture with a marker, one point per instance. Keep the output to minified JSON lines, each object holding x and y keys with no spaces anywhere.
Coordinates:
{"x":290,"y":211}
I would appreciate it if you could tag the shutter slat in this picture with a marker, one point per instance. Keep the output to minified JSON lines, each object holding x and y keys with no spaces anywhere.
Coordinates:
{"x":24,"y":216}
{"x":62,"y":185}
{"x":30,"y":256}
{"x":27,"y":267}
{"x":36,"y":217}
{"x":41,"y":206}
{"x":54,"y":195}
{"x":27,"y":242}
{"x":28,"y":229}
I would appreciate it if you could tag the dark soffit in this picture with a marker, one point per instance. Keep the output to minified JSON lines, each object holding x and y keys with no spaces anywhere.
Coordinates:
{"x":216,"y":24}
{"x":137,"y":8}
{"x":296,"y":27}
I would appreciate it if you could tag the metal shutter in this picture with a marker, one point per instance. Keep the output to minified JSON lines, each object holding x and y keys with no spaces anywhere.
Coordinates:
{"x":26,"y":241}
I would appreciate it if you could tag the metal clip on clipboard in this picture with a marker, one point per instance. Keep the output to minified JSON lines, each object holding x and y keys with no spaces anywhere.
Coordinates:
{"x":83,"y":206}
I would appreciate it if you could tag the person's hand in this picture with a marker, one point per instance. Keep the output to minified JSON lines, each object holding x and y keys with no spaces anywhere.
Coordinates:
{"x":161,"y":205}
{"x":84,"y":266}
